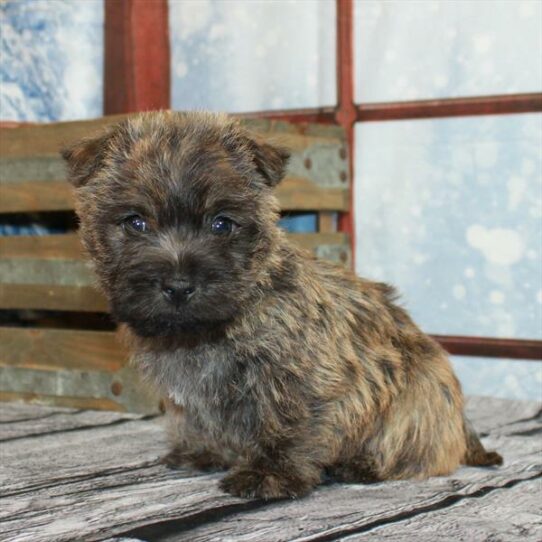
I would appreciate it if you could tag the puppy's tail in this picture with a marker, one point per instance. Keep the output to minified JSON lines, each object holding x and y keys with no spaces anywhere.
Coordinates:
{"x":476,"y":454}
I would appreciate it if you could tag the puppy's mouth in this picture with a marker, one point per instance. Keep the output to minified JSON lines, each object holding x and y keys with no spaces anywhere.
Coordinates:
{"x":154,"y":318}
{"x":163,"y":327}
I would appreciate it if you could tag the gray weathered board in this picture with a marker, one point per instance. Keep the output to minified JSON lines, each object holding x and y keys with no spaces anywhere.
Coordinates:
{"x":84,"y":475}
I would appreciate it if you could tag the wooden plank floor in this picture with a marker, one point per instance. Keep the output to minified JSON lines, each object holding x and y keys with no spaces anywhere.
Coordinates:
{"x":84,"y":475}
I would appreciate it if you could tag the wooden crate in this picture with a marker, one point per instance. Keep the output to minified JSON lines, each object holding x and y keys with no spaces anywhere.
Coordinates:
{"x":58,"y":357}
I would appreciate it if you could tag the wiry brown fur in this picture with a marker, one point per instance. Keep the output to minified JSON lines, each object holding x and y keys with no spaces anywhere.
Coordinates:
{"x":280,"y":367}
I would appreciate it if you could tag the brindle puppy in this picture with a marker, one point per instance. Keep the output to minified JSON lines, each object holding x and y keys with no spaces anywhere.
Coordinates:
{"x":274,"y":364}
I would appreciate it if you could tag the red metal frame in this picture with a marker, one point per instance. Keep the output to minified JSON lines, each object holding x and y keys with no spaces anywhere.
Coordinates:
{"x":137,"y":78}
{"x":493,"y":348}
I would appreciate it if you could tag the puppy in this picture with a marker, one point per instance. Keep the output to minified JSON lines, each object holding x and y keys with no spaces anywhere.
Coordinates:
{"x":274,"y":365}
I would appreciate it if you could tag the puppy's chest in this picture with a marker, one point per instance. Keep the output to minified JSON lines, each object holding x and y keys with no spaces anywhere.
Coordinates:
{"x":211,"y":383}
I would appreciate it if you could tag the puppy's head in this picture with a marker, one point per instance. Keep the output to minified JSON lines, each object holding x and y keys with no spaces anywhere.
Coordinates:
{"x":178,"y":214}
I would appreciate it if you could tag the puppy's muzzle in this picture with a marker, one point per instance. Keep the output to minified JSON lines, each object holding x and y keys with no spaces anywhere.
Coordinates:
{"x":178,"y":291}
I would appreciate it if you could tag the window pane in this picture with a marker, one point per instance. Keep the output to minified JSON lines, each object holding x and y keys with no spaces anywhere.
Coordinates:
{"x":434,"y":48}
{"x":51,"y":60}
{"x":250,"y":56}
{"x":509,"y":379}
{"x":450,"y":211}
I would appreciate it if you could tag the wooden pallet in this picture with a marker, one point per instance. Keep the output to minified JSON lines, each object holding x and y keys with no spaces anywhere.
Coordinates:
{"x":81,"y":475}
{"x":50,"y":362}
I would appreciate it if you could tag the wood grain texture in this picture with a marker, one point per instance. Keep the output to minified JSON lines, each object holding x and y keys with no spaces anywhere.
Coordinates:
{"x":327,"y":222}
{"x":294,"y":194}
{"x":68,"y":247}
{"x":104,"y":482}
{"x":42,"y":247}
{"x":40,"y":399}
{"x":61,"y":349}
{"x":122,"y":390}
{"x":51,"y":297}
{"x":29,"y":197}
{"x":15,"y":412}
{"x":511,"y":514}
{"x":58,"y":422}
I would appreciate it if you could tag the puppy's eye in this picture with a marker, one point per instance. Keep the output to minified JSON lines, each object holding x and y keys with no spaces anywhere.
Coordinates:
{"x":222,"y":225}
{"x":136,"y":223}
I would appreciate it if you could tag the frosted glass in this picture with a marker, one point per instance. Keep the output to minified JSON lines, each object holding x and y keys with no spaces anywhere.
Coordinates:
{"x":451,"y":212}
{"x":51,"y":59}
{"x":247,"y":56}
{"x":508,"y":379}
{"x":418,"y":49}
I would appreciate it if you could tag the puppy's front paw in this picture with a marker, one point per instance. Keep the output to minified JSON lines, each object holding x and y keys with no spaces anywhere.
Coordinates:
{"x":264,"y":484}
{"x":201,"y":460}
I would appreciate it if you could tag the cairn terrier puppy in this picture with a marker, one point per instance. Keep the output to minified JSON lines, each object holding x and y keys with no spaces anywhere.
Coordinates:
{"x":274,"y":365}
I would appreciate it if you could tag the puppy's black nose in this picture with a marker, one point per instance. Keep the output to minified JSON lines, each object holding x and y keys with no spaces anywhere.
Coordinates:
{"x":178,"y":291}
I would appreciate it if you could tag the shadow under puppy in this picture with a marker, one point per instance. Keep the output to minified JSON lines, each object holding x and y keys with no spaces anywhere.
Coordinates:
{"x":273,"y":363}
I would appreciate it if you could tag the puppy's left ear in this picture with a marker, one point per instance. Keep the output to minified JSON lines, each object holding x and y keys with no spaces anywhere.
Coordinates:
{"x":271,"y":161}
{"x":84,"y":158}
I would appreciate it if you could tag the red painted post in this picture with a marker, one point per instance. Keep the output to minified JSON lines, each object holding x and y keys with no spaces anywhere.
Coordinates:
{"x":346,"y":113}
{"x":137,"y":56}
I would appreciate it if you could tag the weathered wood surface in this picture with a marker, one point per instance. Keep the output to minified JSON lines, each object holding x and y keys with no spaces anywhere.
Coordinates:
{"x":72,"y":475}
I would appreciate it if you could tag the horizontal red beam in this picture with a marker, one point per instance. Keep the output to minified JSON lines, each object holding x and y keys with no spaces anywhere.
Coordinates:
{"x":451,"y":107}
{"x":526,"y":349}
{"x":325,"y":115}
{"x":419,"y":109}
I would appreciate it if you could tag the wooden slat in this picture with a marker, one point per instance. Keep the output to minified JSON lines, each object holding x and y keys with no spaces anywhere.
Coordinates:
{"x":311,"y":241}
{"x":27,"y":291}
{"x":29,"y":197}
{"x":294,"y":194}
{"x":61,"y":349}
{"x":90,"y":403}
{"x":45,"y":140}
{"x":29,"y":140}
{"x":451,"y":107}
{"x":42,"y":247}
{"x":326,"y":222}
{"x":68,"y":246}
{"x":51,"y":297}
{"x":121,"y":390}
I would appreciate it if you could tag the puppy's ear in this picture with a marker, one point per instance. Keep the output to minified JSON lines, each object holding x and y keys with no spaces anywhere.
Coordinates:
{"x":85,"y":158}
{"x":270,"y":161}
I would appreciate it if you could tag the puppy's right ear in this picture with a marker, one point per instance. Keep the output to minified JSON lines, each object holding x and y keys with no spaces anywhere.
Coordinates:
{"x":85,"y":158}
